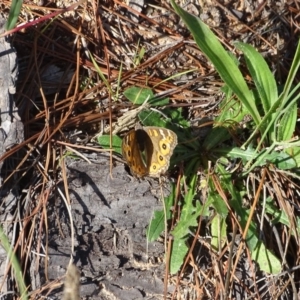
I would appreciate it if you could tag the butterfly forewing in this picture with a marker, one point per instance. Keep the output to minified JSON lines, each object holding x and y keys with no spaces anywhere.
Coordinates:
{"x":145,"y":146}
{"x":131,"y":152}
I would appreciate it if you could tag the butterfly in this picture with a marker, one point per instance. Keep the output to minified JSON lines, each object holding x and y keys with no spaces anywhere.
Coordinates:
{"x":148,"y":150}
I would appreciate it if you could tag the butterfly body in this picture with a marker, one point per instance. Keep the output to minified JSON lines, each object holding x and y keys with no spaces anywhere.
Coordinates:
{"x":147,"y":150}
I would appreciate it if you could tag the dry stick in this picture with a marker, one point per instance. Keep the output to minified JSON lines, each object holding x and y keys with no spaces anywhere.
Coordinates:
{"x":70,"y":107}
{"x":224,"y":197}
{"x":168,"y":256}
{"x":249,"y":220}
{"x":190,"y":252}
{"x":293,"y":228}
{"x":44,"y":216}
{"x":35,"y":57}
{"x":125,"y":76}
{"x":103,"y":39}
{"x":42,"y":19}
{"x":18,"y":242}
{"x":67,"y":199}
{"x":167,"y":249}
{"x":194,"y":240}
{"x":227,"y":280}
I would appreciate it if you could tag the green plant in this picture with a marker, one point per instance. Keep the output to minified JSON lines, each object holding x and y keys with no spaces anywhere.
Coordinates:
{"x":273,"y":119}
{"x":13,"y":14}
{"x":13,"y":260}
{"x":165,"y":117}
{"x":274,"y":115}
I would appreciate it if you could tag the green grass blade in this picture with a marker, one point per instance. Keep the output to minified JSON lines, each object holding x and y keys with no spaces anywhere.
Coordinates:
{"x":221,"y":60}
{"x":261,"y":74}
{"x":14,"y":14}
{"x":15,"y":264}
{"x":276,"y":109}
{"x":286,"y":125}
{"x":292,"y":74}
{"x":281,"y":160}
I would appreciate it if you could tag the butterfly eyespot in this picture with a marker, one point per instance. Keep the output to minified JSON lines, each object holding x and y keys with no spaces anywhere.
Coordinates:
{"x":153,"y":168}
{"x":164,"y":148}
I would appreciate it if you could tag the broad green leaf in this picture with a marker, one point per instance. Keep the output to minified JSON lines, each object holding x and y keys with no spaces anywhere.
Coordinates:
{"x":188,"y":217}
{"x":261,"y":74}
{"x":295,"y":154}
{"x":219,"y":205}
{"x":218,"y":232}
{"x":157,"y":224}
{"x":267,"y":261}
{"x":150,"y":117}
{"x":177,"y":117}
{"x":287,"y":124}
{"x":155,"y":101}
{"x":216,"y":136}
{"x":104,"y":141}
{"x":178,"y":253}
{"x":281,"y":160}
{"x":182,"y":228}
{"x":138,"y":95}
